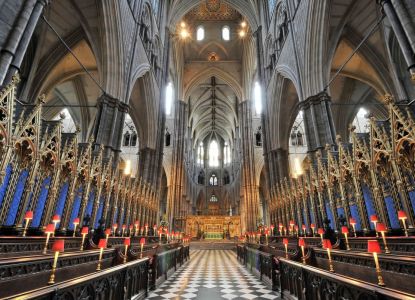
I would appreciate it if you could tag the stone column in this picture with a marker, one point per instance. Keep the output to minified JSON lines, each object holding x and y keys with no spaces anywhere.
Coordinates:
{"x":280,"y":158}
{"x":18,"y":40}
{"x":177,"y":174}
{"x":403,"y":29}
{"x":318,"y":121}
{"x":109,"y":124}
{"x":250,"y":193}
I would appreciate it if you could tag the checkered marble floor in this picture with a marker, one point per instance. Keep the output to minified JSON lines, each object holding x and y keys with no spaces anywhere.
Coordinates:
{"x":212,"y":274}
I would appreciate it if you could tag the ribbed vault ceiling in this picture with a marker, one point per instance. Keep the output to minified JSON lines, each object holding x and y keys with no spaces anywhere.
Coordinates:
{"x":212,"y":111}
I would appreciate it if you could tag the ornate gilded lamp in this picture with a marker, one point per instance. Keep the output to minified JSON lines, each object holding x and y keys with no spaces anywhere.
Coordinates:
{"x":327,"y":245}
{"x":58,"y":246}
{"x":50,"y":229}
{"x":353,"y":222}
{"x":28,"y":217}
{"x":75,"y":224}
{"x":345,"y":231}
{"x":101,"y":245}
{"x":142,"y":242}
{"x":374,"y":220}
{"x":321,"y":233}
{"x":313,"y":227}
{"x":380,"y":227}
{"x":107,"y":233}
{"x":374,"y":248}
{"x":127,"y":243}
{"x":84,"y":233}
{"x":301,"y":243}
{"x":402,"y":217}
{"x":285,"y":242}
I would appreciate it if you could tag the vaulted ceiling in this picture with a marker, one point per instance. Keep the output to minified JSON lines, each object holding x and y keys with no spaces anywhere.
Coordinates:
{"x":213,"y":99}
{"x":212,"y":111}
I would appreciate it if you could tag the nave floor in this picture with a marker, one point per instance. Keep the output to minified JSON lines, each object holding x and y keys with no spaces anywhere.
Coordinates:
{"x":210,"y":275}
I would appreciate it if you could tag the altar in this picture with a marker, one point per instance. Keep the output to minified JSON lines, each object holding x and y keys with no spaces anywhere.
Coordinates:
{"x":213,"y":227}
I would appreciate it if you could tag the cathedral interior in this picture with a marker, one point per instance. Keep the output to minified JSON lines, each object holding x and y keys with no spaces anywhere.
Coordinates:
{"x":207,"y":149}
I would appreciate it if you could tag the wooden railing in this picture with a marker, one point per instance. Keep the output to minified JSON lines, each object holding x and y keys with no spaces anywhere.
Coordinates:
{"x":165,"y":263}
{"x":304,"y":282}
{"x":260,"y":263}
{"x":355,"y":276}
{"x":127,"y":281}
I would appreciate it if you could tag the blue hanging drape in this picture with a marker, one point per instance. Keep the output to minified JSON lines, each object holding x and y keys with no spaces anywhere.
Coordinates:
{"x":4,"y":185}
{"x":75,"y":207}
{"x":367,"y":196}
{"x":61,"y":200}
{"x":11,"y":216}
{"x":37,"y":214}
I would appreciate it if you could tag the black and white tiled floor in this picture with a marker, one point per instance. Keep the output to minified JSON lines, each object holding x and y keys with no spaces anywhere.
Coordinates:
{"x":212,"y":274}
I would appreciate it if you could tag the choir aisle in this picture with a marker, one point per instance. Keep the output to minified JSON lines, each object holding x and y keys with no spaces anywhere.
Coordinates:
{"x":210,"y":275}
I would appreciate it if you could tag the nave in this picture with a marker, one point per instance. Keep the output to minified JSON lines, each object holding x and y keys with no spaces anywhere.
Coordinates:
{"x":212,"y":274}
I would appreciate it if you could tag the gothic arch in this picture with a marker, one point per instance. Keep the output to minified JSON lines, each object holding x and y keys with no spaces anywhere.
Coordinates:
{"x":143,"y":110}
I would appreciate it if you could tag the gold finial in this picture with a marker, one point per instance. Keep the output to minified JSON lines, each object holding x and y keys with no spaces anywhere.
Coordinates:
{"x":328,"y":147}
{"x":78,"y":129}
{"x":338,"y":138}
{"x":388,"y":98}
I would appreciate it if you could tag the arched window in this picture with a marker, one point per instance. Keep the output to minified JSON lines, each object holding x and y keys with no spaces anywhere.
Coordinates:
{"x":226,"y":33}
{"x":213,"y":154}
{"x":133,"y":142}
{"x":127,"y":137}
{"x":361,"y":122}
{"x":169,"y":98}
{"x":258,"y":137}
{"x":167,"y":138}
{"x":200,"y":33}
{"x":257,"y":98}
{"x":213,"y":180}
{"x":213,"y":198}
{"x":201,"y":178}
{"x":226,"y":178}
{"x":200,"y":154}
{"x":226,"y":154}
{"x":300,"y":141}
